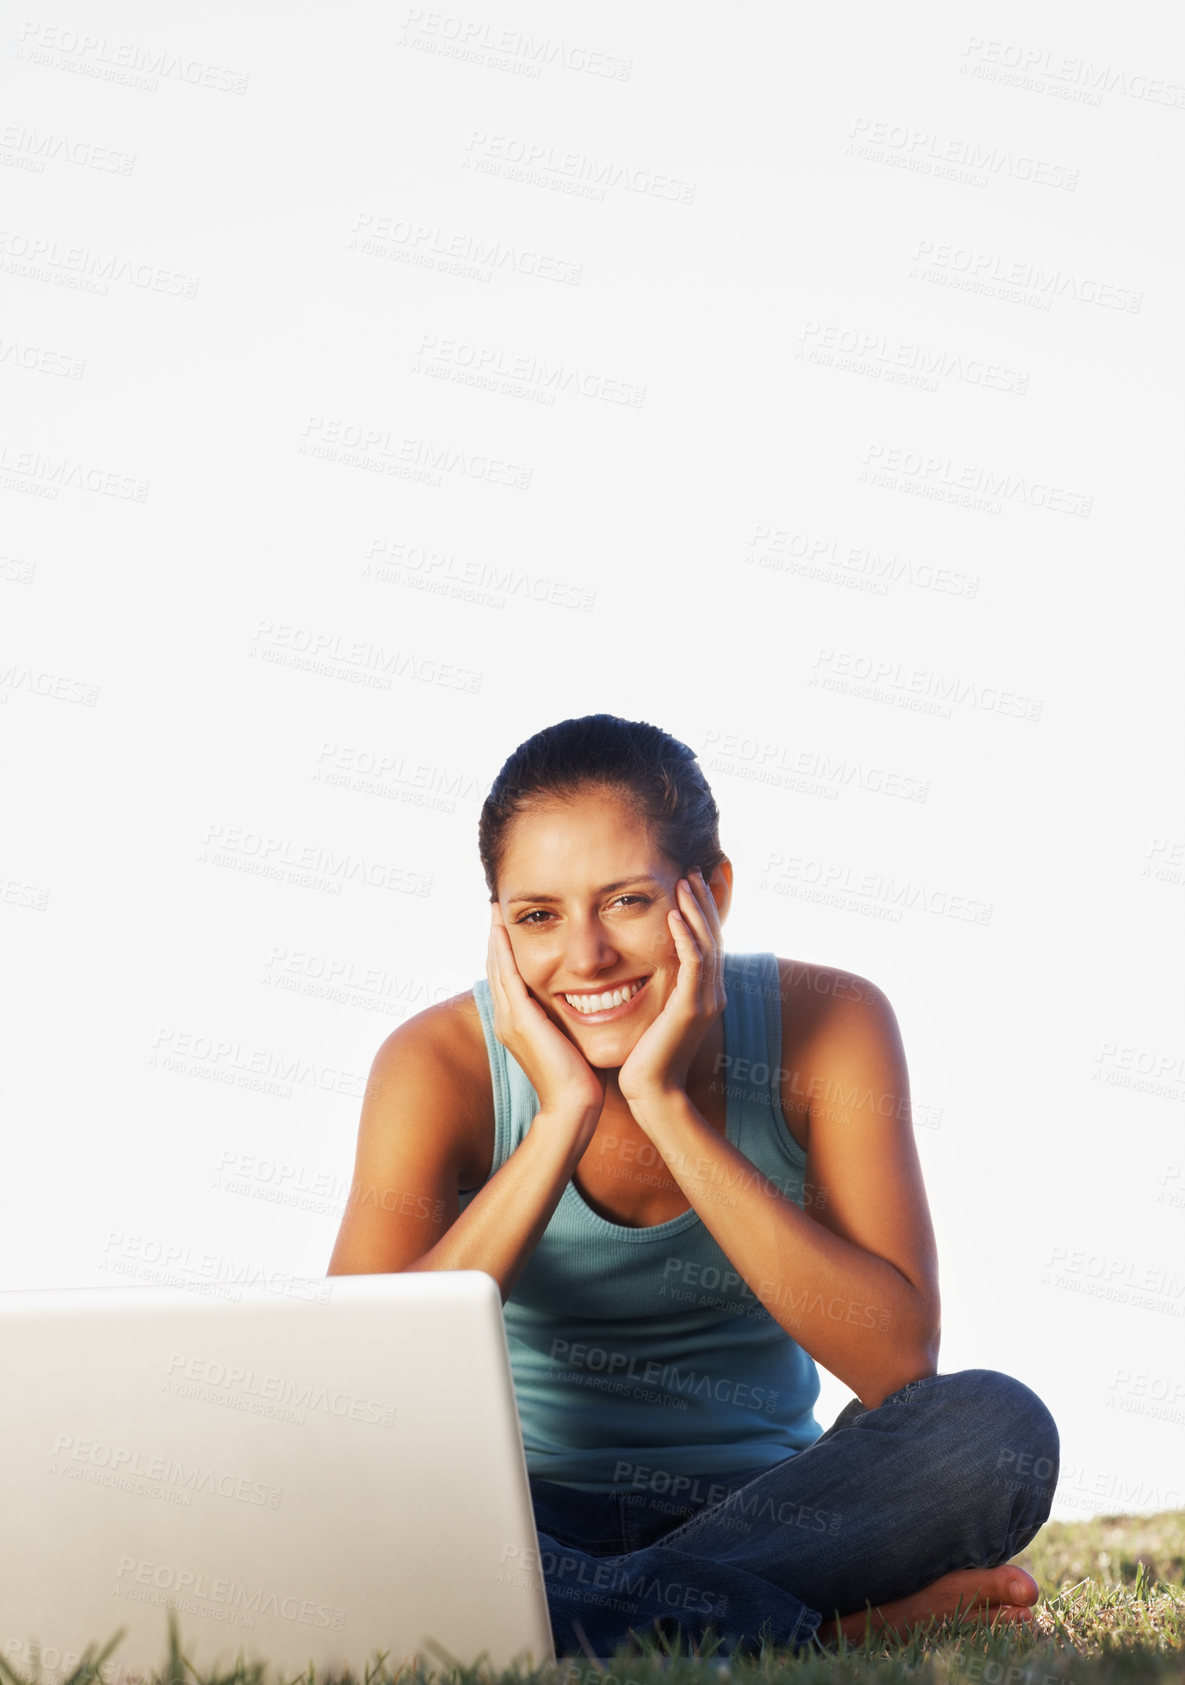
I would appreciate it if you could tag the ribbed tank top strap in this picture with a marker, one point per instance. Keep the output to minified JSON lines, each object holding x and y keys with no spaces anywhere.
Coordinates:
{"x":753,"y":1075}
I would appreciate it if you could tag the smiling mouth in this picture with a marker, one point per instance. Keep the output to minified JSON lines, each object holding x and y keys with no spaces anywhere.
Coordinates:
{"x":605,"y":1004}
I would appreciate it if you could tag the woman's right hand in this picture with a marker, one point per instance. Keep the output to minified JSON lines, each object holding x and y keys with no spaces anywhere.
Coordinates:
{"x":567,"y":1085}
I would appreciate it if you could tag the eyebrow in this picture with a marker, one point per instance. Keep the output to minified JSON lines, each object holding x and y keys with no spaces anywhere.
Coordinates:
{"x":605,"y":889}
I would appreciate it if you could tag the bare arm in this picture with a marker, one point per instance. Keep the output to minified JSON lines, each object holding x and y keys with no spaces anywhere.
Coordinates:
{"x":415,"y":1138}
{"x":857,"y":1286}
{"x":418,"y":1139}
{"x":853,"y":1280}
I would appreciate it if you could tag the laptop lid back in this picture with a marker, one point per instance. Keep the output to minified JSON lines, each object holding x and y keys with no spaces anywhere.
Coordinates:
{"x":305,"y":1479}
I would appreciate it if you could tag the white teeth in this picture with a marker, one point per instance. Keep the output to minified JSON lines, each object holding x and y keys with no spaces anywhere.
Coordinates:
{"x":602,"y":1003}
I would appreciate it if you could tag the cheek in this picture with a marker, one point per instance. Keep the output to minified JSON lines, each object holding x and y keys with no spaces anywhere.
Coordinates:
{"x":658,"y":945}
{"x":526,"y":958}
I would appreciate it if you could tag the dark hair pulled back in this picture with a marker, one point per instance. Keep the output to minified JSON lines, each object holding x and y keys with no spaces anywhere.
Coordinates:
{"x":645,"y":765}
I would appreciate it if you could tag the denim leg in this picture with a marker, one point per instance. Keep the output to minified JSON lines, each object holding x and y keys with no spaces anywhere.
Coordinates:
{"x":953,"y":1471}
{"x":596,"y":1603}
{"x":600,"y":1591}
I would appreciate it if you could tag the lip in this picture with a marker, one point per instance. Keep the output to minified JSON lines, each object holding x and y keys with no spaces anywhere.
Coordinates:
{"x":612,"y":1013}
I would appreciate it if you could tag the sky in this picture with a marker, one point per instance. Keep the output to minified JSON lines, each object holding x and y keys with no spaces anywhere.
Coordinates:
{"x":384,"y":385}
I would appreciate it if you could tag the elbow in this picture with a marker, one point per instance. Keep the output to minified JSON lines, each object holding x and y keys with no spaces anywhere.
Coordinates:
{"x":912,"y":1360}
{"x":919,"y":1367}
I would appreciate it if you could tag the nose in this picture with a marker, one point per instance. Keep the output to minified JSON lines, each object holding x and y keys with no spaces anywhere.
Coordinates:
{"x":587,"y":948}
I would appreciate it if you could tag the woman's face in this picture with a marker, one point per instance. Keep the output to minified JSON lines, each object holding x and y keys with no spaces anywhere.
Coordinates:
{"x":585,"y":897}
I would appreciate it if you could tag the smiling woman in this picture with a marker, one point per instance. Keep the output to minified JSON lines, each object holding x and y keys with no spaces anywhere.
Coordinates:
{"x":693,"y":1175}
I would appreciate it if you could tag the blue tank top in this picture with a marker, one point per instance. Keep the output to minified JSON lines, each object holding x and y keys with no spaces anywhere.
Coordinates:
{"x":642,"y":1348}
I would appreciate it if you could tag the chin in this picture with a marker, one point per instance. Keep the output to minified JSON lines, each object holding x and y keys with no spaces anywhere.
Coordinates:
{"x":605,"y":1053}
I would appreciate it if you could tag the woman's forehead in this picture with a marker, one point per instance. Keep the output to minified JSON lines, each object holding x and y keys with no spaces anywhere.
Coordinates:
{"x":587,"y":839}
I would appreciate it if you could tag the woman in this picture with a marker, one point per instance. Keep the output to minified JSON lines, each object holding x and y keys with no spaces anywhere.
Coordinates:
{"x":693,"y":1176}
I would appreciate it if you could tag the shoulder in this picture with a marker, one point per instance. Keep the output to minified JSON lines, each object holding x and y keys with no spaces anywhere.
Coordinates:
{"x":438,"y":1057}
{"x":839,"y":1036}
{"x":815,"y":997}
{"x":448,"y":1033}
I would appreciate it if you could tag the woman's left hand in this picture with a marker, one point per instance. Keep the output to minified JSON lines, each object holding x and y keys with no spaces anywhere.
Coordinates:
{"x":661,"y":1058}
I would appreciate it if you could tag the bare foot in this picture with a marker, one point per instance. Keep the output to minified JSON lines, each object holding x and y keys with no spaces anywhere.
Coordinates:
{"x":1003,"y":1594}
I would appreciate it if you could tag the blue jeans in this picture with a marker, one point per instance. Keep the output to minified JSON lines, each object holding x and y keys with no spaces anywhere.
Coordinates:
{"x":952,"y":1471}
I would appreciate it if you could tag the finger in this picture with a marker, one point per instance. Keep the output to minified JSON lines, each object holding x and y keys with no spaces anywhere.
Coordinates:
{"x":710,"y":907}
{"x":692,"y":898}
{"x":688,"y":951}
{"x":711,"y":911}
{"x":705,"y":904}
{"x":507,"y":976}
{"x":515,"y":994}
{"x":697,"y":899}
{"x":503,"y":971}
{"x":494,"y":950}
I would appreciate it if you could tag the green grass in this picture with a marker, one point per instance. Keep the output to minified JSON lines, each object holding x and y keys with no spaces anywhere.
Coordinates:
{"x":1112,"y":1611}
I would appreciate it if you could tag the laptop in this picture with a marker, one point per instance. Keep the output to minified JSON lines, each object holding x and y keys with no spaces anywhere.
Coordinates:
{"x":319,"y":1475}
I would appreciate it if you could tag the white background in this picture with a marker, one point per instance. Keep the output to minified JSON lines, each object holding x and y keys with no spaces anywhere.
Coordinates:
{"x":775,"y":292}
